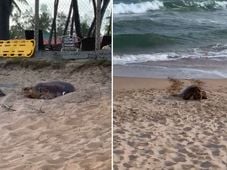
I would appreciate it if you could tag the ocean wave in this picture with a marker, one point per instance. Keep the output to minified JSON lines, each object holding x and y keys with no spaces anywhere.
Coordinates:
{"x":142,"y":41}
{"x":152,"y":41}
{"x":197,"y":53}
{"x":143,"y":7}
{"x":221,"y":4}
{"x":206,"y":4}
{"x":140,"y":58}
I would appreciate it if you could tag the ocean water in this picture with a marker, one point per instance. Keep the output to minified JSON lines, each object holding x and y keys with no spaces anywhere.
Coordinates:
{"x":170,"y":31}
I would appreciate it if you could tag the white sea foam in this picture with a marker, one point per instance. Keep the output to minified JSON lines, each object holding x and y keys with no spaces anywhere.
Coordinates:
{"x":211,"y":53}
{"x":216,"y":4}
{"x":208,"y":3}
{"x":141,"y":7}
{"x":140,"y":58}
{"x":221,"y":4}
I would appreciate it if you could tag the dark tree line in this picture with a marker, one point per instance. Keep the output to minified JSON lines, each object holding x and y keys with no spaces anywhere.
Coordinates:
{"x":6,"y":7}
{"x":5,"y":10}
{"x":74,"y":17}
{"x":72,"y":20}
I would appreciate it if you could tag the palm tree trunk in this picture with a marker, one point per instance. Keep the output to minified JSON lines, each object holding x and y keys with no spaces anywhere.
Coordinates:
{"x":77,"y":18}
{"x":53,"y":27}
{"x":93,"y":22}
{"x":110,"y":25}
{"x":68,"y":19}
{"x":91,"y":31}
{"x":5,"y":10}
{"x":98,"y":25}
{"x":72,"y":22}
{"x":94,"y":7}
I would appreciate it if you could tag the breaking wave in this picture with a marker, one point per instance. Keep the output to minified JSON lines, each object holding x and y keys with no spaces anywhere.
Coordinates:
{"x":143,"y":7}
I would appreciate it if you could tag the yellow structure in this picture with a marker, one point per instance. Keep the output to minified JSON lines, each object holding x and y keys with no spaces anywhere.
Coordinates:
{"x":17,"y":48}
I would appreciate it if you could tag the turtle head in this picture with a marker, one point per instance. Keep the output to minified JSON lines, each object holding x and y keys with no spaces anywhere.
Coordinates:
{"x":203,"y":94}
{"x":30,"y":92}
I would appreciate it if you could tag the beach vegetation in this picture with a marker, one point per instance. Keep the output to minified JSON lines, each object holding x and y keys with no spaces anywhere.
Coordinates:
{"x":32,"y":64}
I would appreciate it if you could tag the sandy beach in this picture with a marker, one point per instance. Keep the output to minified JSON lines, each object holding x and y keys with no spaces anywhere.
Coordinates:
{"x":153,"y":130}
{"x":70,"y":132}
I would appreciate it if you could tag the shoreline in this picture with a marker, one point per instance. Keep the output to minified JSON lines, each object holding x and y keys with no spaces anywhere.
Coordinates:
{"x":150,"y":71}
{"x":133,"y":83}
{"x":181,"y":68}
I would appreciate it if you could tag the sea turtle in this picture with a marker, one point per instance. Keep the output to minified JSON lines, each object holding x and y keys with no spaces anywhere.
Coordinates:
{"x":48,"y":90}
{"x":193,"y":92}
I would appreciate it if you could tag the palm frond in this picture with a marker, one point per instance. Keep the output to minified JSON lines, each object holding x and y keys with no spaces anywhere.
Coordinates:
{"x":22,"y":1}
{"x":16,"y":6}
{"x":14,"y":3}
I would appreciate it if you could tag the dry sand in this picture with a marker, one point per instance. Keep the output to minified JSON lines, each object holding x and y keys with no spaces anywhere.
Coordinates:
{"x":153,"y":130}
{"x":71,"y":132}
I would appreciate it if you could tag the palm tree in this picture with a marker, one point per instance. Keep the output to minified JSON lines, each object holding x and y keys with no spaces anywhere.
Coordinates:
{"x":105,"y":3}
{"x":6,"y":7}
{"x":15,"y":5}
{"x":53,"y":27}
{"x":74,"y":18}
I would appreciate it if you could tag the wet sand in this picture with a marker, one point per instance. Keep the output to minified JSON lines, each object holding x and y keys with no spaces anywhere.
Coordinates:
{"x":199,"y":68}
{"x":153,"y":130}
{"x":69,"y":132}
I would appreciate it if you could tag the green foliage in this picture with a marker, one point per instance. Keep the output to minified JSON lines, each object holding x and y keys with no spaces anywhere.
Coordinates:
{"x":32,"y":64}
{"x":24,"y":21}
{"x":18,"y":27}
{"x":91,"y":63}
{"x":61,"y":20}
{"x":84,"y":28}
{"x":44,"y":20}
